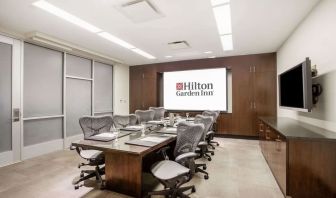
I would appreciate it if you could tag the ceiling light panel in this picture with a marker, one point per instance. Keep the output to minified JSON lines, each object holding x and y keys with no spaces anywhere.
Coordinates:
{"x":66,"y":16}
{"x":115,"y":40}
{"x":219,"y":2}
{"x":223,"y":18}
{"x":227,"y":42}
{"x":143,"y":53}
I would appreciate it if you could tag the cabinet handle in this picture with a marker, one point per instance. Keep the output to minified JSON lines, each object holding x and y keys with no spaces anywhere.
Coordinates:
{"x":261,"y":128}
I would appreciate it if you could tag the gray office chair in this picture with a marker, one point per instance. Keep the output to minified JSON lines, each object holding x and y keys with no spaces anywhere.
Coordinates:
{"x":158,"y":112}
{"x":173,"y":174}
{"x":122,"y":121}
{"x":211,"y":133}
{"x":203,"y":145}
{"x":92,"y":126}
{"x":95,"y":125}
{"x":144,"y":115}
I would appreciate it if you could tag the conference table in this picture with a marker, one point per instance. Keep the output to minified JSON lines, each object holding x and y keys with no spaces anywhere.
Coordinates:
{"x":125,"y":163}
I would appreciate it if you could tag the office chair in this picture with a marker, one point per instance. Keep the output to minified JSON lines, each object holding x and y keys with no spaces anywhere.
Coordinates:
{"x":122,"y":121}
{"x":203,"y":145}
{"x":158,"y":112}
{"x":92,"y":126}
{"x":211,"y":133}
{"x":144,"y":115}
{"x":173,"y":174}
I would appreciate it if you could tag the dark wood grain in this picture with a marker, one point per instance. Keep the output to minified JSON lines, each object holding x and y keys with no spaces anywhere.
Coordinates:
{"x":248,"y":86}
{"x":301,"y":157}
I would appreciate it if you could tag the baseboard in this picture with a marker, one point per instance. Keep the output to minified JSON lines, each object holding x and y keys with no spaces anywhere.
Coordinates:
{"x":237,"y":136}
{"x":68,"y":140}
{"x":41,"y":149}
{"x":6,"y":158}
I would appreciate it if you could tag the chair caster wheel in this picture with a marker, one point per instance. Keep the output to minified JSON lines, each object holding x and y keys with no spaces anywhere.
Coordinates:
{"x":209,"y":159}
{"x":76,"y":187}
{"x":193,"y":189}
{"x":81,"y":175}
{"x":217,"y":144}
{"x":204,"y":167}
{"x":206,"y":176}
{"x":212,"y":154}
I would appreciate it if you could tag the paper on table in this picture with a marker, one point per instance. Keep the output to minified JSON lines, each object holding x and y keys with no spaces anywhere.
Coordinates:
{"x":134,"y":127}
{"x":154,"y":139}
{"x":106,"y":135}
{"x":170,"y":129}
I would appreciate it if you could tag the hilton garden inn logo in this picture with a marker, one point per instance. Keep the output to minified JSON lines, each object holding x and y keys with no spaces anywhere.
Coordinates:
{"x":194,"y":89}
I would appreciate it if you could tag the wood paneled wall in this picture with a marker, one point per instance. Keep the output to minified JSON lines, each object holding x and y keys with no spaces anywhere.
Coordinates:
{"x":253,"y":88}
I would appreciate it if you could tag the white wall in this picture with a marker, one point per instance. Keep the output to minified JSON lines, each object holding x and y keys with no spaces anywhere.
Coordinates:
{"x":121,"y":89}
{"x":315,"y":37}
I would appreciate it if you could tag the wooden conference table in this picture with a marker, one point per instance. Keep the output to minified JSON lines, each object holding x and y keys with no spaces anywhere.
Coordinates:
{"x":124,"y":163}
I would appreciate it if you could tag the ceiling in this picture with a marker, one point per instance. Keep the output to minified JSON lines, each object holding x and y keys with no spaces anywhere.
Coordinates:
{"x":258,"y":26}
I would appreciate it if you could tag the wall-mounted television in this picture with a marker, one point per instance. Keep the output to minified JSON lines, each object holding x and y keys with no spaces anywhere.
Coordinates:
{"x":295,"y":87}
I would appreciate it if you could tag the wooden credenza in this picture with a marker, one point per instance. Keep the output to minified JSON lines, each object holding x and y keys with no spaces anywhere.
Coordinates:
{"x":301,"y":157}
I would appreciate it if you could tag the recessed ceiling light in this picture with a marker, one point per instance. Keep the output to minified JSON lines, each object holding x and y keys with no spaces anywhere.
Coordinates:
{"x":208,"y":52}
{"x":223,"y":19}
{"x":212,"y":57}
{"x":116,"y":40}
{"x":66,"y":16}
{"x":219,"y":2}
{"x":168,"y":56}
{"x":143,"y":53}
{"x":227,"y":42}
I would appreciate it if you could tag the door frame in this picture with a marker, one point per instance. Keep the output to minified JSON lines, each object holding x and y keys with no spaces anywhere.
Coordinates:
{"x":13,"y":156}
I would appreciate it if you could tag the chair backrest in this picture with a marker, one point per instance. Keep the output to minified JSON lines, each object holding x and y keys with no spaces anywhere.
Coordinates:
{"x":213,"y":114}
{"x":95,"y":125}
{"x":158,"y":112}
{"x":122,"y":121}
{"x":206,"y":121}
{"x":144,"y":115}
{"x":188,"y":137}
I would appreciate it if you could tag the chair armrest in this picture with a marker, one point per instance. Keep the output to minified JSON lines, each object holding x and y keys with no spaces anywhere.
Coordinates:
{"x":203,"y":143}
{"x":210,"y":132}
{"x":185,"y":156}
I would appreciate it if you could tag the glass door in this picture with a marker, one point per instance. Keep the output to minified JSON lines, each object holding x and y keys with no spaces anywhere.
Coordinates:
{"x":10,"y":100}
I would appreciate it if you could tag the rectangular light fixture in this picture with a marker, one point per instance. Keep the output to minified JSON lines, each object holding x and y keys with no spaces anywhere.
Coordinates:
{"x":227,"y":42}
{"x":115,"y":40}
{"x":66,"y":16}
{"x":219,"y":2}
{"x":223,"y":18}
{"x":143,"y":53}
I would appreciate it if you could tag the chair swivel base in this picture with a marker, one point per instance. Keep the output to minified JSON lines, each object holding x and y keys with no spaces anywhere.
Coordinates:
{"x":174,"y":192}
{"x":90,"y":173}
{"x":199,"y":170}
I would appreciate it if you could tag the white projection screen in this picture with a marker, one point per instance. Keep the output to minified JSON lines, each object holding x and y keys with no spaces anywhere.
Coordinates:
{"x":195,"y":90}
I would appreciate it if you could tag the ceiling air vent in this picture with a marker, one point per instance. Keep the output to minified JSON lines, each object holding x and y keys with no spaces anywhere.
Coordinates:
{"x":179,"y":45}
{"x":140,"y":11}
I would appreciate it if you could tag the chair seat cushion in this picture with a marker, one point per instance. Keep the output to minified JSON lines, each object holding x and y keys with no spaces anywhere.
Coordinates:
{"x":166,"y":170}
{"x":90,"y":154}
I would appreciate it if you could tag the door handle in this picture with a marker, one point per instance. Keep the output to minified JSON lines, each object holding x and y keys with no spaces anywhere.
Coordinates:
{"x":16,"y":115}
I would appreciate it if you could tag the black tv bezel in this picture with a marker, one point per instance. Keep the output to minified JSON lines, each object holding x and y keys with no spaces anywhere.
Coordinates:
{"x":307,"y":87}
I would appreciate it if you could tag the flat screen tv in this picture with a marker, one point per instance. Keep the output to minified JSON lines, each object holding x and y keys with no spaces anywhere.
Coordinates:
{"x":295,"y":87}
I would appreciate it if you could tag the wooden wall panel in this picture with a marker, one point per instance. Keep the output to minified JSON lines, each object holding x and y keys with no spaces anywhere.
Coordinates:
{"x":241,"y":120}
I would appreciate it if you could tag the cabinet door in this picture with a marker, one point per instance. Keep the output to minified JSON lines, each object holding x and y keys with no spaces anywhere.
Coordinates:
{"x":242,"y":106}
{"x":135,"y":94}
{"x":264,"y":93}
{"x":149,"y":93}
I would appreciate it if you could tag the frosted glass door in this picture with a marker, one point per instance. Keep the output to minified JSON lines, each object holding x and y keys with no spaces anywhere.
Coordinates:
{"x":10,"y":117}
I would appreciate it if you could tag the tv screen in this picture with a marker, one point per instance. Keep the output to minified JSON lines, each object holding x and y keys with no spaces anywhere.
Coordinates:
{"x":295,"y":87}
{"x":195,"y":90}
